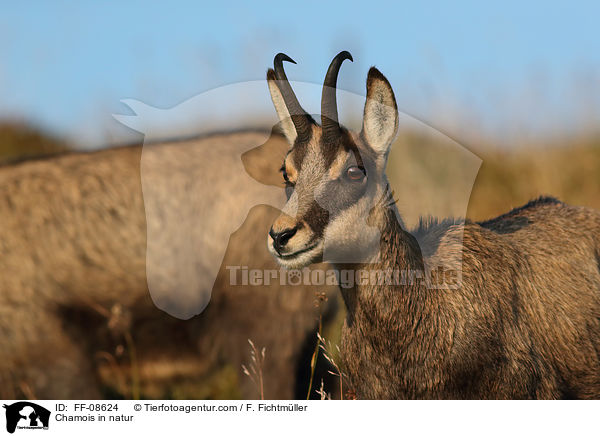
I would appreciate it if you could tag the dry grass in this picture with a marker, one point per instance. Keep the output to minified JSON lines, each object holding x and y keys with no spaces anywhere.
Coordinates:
{"x":511,"y":178}
{"x":432,"y":175}
{"x":327,"y":348}
{"x":255,"y":368}
{"x":320,"y":298}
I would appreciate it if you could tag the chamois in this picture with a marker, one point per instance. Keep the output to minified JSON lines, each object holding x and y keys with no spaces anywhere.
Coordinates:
{"x":523,"y":319}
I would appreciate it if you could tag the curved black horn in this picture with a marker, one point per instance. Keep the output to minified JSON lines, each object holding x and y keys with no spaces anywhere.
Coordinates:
{"x":329,"y":114}
{"x":302,"y":121}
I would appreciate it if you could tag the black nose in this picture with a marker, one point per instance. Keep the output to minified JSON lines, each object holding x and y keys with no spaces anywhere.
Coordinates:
{"x":281,"y":238}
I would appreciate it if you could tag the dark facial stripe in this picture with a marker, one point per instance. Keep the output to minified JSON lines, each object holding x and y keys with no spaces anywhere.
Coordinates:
{"x":317,"y":218}
{"x":300,"y":149}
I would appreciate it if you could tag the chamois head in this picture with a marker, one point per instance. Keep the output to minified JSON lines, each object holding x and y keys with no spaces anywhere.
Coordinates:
{"x":334,"y":178}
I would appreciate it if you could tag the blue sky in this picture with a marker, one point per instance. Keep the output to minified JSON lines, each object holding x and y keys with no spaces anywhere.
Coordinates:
{"x":504,"y":69}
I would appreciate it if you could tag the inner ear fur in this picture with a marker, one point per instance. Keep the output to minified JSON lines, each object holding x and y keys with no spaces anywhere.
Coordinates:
{"x":380,"y":121}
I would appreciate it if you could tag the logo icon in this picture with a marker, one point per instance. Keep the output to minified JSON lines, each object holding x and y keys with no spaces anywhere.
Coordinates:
{"x":26,"y":415}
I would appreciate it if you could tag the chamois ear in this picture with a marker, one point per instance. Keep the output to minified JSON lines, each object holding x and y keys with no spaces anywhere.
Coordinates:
{"x":287,"y":125}
{"x":380,"y":122}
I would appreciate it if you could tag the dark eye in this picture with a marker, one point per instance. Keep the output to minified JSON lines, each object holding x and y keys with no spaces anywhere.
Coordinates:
{"x":355,"y":174}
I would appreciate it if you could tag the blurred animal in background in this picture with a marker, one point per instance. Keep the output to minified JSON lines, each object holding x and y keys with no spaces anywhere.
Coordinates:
{"x":76,"y":317}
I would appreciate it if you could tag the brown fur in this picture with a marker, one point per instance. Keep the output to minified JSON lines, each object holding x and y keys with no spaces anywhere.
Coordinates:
{"x":524,"y":324}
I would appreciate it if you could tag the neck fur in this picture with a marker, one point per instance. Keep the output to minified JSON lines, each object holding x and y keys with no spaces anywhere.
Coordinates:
{"x":399,"y":254}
